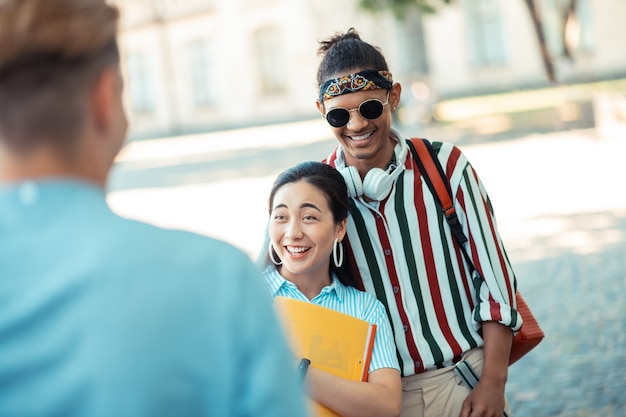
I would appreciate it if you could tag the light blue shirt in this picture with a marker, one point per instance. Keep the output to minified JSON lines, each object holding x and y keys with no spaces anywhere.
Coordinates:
{"x":347,"y":300}
{"x":102,"y":316}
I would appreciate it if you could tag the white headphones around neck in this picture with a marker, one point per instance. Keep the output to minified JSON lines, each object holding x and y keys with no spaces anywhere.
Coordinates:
{"x":377,"y":182}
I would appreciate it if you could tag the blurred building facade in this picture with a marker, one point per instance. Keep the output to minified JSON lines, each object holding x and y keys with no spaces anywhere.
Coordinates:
{"x":197,"y":65}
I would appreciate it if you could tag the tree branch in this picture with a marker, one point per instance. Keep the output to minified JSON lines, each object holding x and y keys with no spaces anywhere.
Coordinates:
{"x":548,"y":64}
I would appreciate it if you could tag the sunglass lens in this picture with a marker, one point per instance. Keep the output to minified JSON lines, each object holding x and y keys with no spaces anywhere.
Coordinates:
{"x":371,"y":109}
{"x":338,"y":117}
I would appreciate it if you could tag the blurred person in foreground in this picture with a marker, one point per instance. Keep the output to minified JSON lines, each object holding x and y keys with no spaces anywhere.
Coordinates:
{"x":403,"y":249}
{"x":100,"y":315}
{"x":308,"y":207}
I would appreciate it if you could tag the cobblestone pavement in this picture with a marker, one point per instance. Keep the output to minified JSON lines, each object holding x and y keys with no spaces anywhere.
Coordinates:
{"x":561,"y":211}
{"x":579,"y":300}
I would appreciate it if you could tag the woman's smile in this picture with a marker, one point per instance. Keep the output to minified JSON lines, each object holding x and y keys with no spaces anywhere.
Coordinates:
{"x":297,"y":250}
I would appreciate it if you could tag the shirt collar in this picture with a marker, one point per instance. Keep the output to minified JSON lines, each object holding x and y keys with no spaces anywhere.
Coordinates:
{"x":337,"y":287}
{"x":275,"y":282}
{"x":274,"y":279}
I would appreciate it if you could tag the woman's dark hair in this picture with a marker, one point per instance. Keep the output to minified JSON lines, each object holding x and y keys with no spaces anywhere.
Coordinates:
{"x":343,"y":53}
{"x":331,"y":183}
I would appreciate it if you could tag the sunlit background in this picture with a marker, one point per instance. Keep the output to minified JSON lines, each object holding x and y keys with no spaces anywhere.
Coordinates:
{"x":197,"y":65}
{"x":220,"y":96}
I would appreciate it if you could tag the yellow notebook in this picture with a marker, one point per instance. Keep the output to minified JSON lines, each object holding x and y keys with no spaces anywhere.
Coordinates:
{"x":335,"y":342}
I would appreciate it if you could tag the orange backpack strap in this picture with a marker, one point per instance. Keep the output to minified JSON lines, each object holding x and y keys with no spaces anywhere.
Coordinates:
{"x":437,"y":182}
{"x":531,"y":334}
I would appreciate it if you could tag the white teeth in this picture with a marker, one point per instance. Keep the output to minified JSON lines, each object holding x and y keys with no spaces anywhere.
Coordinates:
{"x":361,"y":137}
{"x":298,"y":249}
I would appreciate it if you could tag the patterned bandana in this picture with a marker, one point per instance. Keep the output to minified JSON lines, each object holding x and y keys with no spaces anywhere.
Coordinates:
{"x":363,"y":80}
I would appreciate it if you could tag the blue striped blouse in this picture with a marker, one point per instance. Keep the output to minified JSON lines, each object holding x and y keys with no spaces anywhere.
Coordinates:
{"x":348,"y":300}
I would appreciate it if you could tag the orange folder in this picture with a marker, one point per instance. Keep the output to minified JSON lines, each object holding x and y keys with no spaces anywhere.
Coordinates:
{"x":335,"y":342}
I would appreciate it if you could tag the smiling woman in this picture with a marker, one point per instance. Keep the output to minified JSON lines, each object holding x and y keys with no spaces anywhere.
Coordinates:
{"x":308,"y":207}
{"x":308,"y":210}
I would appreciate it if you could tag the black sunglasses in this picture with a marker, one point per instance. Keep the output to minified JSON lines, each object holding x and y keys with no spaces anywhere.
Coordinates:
{"x":370,"y":109}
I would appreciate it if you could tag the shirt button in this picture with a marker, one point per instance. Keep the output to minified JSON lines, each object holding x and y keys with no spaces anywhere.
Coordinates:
{"x":406,"y":328}
{"x":387,"y":252}
{"x":418,"y":364}
{"x":395,"y":290}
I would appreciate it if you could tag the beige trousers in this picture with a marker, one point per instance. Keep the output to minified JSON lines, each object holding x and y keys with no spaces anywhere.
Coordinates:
{"x":440,"y":392}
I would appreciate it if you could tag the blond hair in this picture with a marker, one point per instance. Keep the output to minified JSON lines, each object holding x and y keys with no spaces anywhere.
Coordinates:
{"x":50,"y":51}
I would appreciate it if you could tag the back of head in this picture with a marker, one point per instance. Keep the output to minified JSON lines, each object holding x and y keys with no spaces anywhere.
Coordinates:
{"x":50,"y":53}
{"x":346,"y":52}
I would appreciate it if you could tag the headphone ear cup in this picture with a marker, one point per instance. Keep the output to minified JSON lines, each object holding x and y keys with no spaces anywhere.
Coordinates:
{"x":377,"y":184}
{"x":353,"y":181}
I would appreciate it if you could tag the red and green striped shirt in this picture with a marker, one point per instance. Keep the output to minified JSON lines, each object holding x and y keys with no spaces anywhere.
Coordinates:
{"x":403,"y":252}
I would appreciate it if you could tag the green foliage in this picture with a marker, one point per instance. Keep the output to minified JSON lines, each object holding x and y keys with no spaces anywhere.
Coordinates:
{"x":400,"y":7}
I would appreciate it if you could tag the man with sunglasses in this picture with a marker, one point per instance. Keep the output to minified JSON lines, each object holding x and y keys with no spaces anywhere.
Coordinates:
{"x":402,"y":248}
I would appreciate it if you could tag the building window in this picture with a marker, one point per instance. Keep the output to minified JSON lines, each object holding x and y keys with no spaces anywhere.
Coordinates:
{"x":414,"y":43}
{"x":200,"y":76}
{"x":270,"y":58}
{"x":140,"y":83}
{"x":486,"y":35}
{"x":586,"y":40}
